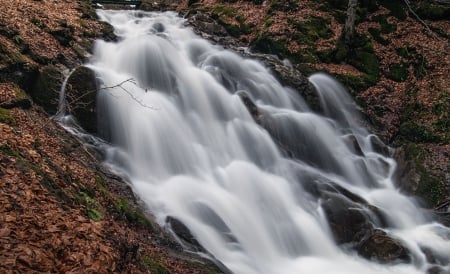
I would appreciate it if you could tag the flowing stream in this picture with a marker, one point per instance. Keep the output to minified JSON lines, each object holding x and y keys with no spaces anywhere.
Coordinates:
{"x":193,"y":151}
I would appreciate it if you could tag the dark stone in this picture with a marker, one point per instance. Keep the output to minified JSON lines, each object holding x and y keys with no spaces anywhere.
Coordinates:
{"x":45,"y":92}
{"x":347,"y":220}
{"x":159,"y":27}
{"x":436,"y":270}
{"x":183,"y":232}
{"x":377,"y":245}
{"x":290,"y":77}
{"x":405,"y":174}
{"x":205,"y":25}
{"x":20,"y":103}
{"x":107,"y":32}
{"x":353,"y":144}
{"x":378,"y":146}
{"x":81,"y":93}
{"x":64,"y":35}
{"x":250,"y":105}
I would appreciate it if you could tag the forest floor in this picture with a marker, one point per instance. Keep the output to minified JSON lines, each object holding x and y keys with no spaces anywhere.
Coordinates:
{"x":60,"y":211}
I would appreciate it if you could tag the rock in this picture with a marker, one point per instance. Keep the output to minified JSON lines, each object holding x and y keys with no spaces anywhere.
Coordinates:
{"x":45,"y":91}
{"x":183,"y":232}
{"x":378,"y":146}
{"x":250,"y":105}
{"x":346,"y":219}
{"x":406,"y":177}
{"x":81,"y":93}
{"x":203,"y":23}
{"x":289,"y":76}
{"x":377,"y":245}
{"x":436,"y":270}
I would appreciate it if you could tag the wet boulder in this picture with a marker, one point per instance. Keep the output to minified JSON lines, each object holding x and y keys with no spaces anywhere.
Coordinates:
{"x":183,"y":233}
{"x":45,"y":91}
{"x":379,"y":246}
{"x":347,"y":219}
{"x":250,"y":105}
{"x":81,"y":93}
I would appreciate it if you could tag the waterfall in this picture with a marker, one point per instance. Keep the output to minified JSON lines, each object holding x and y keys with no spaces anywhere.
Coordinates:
{"x":251,"y":187}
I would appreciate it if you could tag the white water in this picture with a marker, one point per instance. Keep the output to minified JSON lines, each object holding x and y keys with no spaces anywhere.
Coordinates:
{"x":192,"y":151}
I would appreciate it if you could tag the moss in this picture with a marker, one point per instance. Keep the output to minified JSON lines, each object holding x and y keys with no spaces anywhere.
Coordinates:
{"x":135,"y":216}
{"x":37,"y":22}
{"x":417,"y":133}
{"x":398,"y":72}
{"x":267,"y":44}
{"x":87,"y":10}
{"x":153,"y":264}
{"x":45,"y":92}
{"x":376,"y":34}
{"x":11,"y":56}
{"x":430,"y":187}
{"x":356,"y":83}
{"x":415,"y":60}
{"x":64,"y":35}
{"x":433,"y":11}
{"x":365,"y":61}
{"x":313,"y":29}
{"x":6,"y":118}
{"x":385,"y":27}
{"x":93,"y":207}
{"x":226,"y":16}
{"x":336,"y":4}
{"x":286,"y":5}
{"x":396,"y":8}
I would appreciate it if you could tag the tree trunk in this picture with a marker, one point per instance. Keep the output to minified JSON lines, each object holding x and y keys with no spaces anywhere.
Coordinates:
{"x":349,"y":28}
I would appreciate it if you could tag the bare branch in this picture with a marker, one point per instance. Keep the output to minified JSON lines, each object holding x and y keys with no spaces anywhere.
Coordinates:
{"x":131,"y":80}
{"x":408,"y":4}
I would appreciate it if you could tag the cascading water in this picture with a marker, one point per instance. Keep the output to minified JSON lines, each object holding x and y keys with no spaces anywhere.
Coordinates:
{"x":193,"y":151}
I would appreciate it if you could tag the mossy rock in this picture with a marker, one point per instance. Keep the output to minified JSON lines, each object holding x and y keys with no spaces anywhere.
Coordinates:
{"x":265,"y":43}
{"x":362,"y":56}
{"x":398,"y":72}
{"x":414,"y":132}
{"x":336,"y":4}
{"x":385,"y":26}
{"x":46,"y":89}
{"x":6,"y":118}
{"x":433,"y":11}
{"x":64,"y":35}
{"x":313,"y":29}
{"x":376,"y":34}
{"x":396,"y":8}
{"x":354,"y":82}
{"x":284,"y":6}
{"x":11,"y":57}
{"x":87,"y":10}
{"x":107,"y":32}
{"x":81,"y":94}
{"x":428,"y":186}
{"x":154,"y":265}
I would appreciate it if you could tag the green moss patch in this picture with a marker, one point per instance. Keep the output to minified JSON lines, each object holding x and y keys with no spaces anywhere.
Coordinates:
{"x":6,"y":118}
{"x":398,"y":72}
{"x":93,"y":207}
{"x":396,"y":8}
{"x":231,"y":20}
{"x":311,"y":30}
{"x":154,"y":265}
{"x":414,"y":132}
{"x":135,"y":216}
{"x":430,"y":187}
{"x":433,"y":11}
